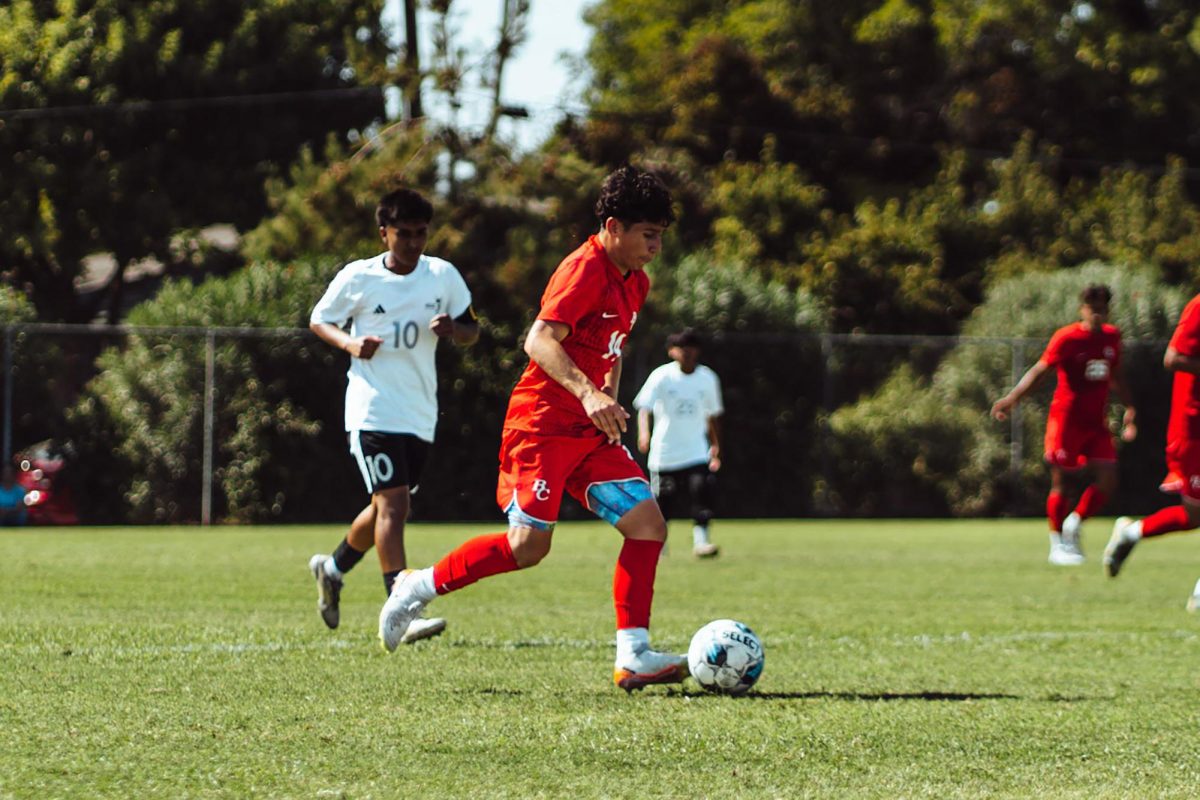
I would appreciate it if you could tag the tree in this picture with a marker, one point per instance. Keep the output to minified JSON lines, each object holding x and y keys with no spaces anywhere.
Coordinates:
{"x":513,"y":21}
{"x":861,"y":93}
{"x":122,"y":121}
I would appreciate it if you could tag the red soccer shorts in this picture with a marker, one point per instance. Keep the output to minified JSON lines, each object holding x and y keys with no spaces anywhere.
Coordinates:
{"x":1071,"y":447}
{"x":1183,"y":464}
{"x":535,"y":469}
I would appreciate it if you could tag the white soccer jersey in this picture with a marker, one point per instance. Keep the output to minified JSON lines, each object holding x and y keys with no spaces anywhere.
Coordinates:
{"x":394,"y":391}
{"x":681,"y":405}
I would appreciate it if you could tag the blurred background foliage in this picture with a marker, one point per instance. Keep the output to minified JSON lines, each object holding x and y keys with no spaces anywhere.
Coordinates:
{"x":923,"y":443}
{"x":892,"y":167}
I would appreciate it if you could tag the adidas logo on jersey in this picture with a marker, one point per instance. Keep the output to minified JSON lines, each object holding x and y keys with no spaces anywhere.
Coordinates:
{"x":379,"y":310}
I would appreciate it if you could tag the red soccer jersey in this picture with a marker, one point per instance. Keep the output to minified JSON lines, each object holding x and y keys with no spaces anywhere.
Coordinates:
{"x":1184,"y":422}
{"x":589,"y":293}
{"x":1085,"y":362}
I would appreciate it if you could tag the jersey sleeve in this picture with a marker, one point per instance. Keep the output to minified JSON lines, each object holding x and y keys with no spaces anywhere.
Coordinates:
{"x":458,"y":295}
{"x":648,"y":393}
{"x":1053,"y":352}
{"x":1186,"y":339}
{"x":340,"y":301}
{"x":573,"y":292}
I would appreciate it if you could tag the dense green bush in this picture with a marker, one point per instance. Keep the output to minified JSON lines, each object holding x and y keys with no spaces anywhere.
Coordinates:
{"x":926,"y":444}
{"x":139,"y":422}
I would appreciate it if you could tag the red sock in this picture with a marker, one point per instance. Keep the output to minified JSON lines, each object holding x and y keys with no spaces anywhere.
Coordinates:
{"x":474,"y":560}
{"x":1056,"y":510}
{"x":1092,"y":501}
{"x":1166,"y":520}
{"x":633,"y":582}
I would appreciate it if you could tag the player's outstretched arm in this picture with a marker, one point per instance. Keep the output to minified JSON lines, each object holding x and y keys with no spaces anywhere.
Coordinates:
{"x":1024,"y":386}
{"x":543,"y":344}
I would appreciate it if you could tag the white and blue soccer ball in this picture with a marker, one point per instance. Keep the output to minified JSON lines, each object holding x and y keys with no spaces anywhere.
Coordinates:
{"x":726,"y":657}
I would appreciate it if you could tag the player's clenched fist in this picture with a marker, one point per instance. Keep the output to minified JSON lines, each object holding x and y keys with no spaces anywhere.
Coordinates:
{"x":363,"y":346}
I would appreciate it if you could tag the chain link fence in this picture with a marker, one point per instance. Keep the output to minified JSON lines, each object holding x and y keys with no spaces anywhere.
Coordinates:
{"x":218,"y":425}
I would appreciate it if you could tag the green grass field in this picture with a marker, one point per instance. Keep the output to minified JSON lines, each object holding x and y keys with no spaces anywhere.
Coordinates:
{"x":904,"y":659}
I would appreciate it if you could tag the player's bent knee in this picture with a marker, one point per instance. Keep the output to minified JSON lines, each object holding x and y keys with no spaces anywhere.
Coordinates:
{"x":393,"y":502}
{"x":529,"y":545}
{"x":644,"y":521}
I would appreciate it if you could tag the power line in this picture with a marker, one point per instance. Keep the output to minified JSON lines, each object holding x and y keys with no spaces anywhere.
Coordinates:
{"x":662,"y":119}
{"x":192,"y":103}
{"x":565,"y":109}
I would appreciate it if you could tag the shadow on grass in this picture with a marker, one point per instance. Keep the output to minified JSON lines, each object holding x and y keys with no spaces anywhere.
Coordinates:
{"x":950,"y":697}
{"x":884,"y":697}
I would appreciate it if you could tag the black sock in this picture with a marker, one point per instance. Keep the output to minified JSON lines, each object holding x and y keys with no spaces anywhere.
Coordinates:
{"x":389,"y":578}
{"x":345,"y":557}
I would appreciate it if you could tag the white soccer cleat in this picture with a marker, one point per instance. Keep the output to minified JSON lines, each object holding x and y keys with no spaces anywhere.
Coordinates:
{"x":1194,"y":601}
{"x":1062,"y":556}
{"x":706,"y":550}
{"x":398,"y":612}
{"x":1071,"y":530}
{"x":650,"y":666}
{"x":329,"y":590}
{"x":1120,"y":545}
{"x":421,"y":628}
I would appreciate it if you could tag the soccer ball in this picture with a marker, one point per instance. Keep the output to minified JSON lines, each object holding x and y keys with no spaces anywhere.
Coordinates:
{"x":726,"y":657}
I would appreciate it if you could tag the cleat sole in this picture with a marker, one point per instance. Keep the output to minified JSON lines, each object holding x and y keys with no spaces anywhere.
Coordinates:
{"x":435,"y":628}
{"x":632,"y":681}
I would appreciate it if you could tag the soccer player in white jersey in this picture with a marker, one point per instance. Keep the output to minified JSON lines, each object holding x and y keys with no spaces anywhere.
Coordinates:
{"x":398,"y":305}
{"x":681,"y":402}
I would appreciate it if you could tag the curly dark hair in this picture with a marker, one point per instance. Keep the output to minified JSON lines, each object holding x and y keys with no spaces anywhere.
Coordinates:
{"x":1096,"y":295}
{"x":403,"y":205}
{"x":632,"y":195}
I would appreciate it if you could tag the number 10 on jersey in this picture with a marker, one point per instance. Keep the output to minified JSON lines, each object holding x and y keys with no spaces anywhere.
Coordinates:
{"x":406,"y":334}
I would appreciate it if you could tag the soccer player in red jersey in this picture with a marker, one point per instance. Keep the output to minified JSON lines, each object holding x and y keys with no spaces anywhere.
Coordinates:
{"x":563,"y":433}
{"x":1182,"y":451}
{"x":1086,"y":357}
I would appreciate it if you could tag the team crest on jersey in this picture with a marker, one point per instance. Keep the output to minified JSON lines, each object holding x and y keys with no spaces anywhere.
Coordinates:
{"x":1110,"y":353}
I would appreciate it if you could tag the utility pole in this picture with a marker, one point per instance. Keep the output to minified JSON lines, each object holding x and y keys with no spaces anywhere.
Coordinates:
{"x":513,"y":17}
{"x":412,"y":64}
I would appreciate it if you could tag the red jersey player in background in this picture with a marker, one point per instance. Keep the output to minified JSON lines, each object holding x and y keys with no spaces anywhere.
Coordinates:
{"x":563,"y":433}
{"x":1182,"y":451}
{"x":1086,"y":356}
